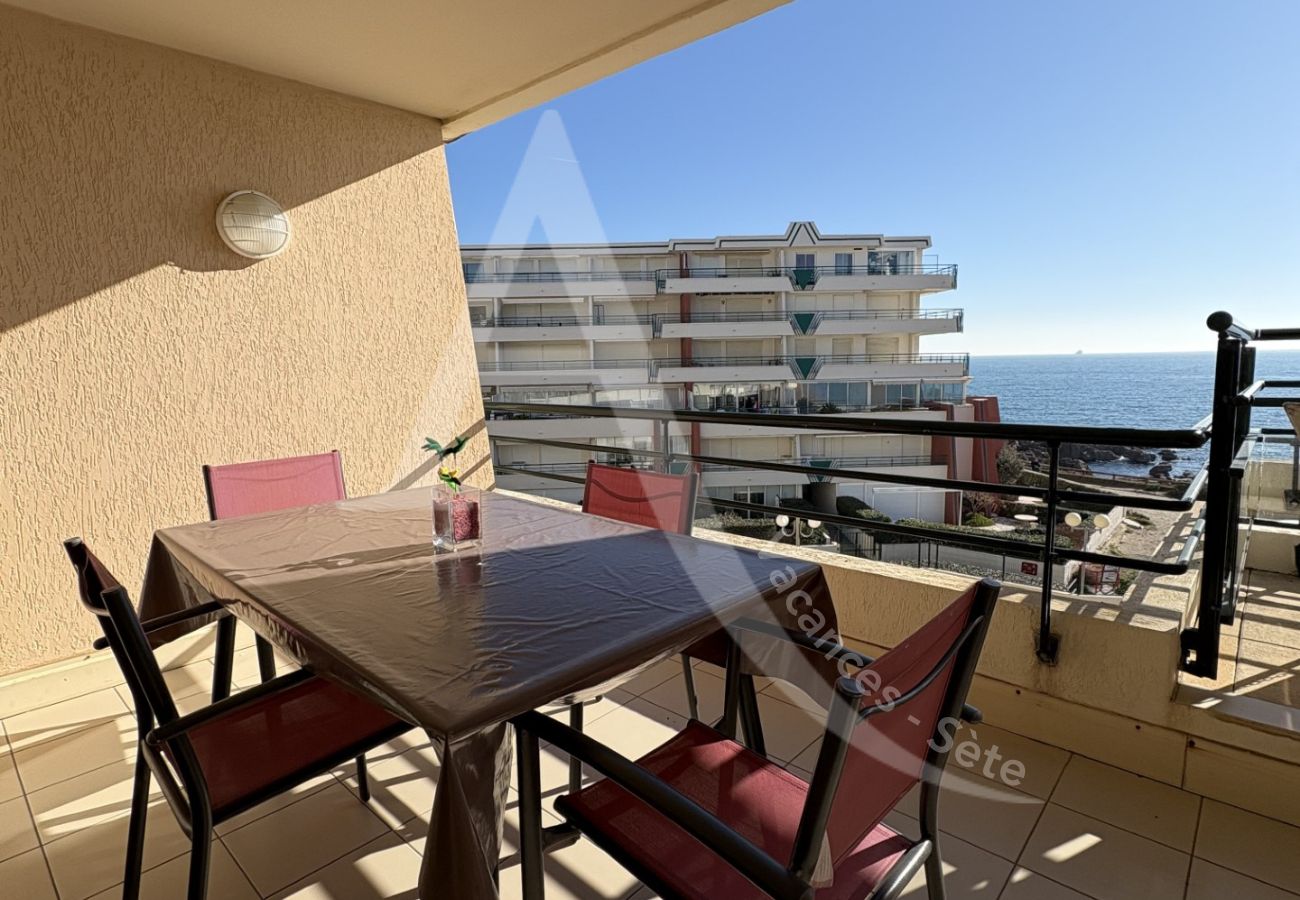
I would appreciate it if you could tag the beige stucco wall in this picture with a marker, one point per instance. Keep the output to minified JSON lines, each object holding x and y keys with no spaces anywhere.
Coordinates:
{"x":134,"y":347}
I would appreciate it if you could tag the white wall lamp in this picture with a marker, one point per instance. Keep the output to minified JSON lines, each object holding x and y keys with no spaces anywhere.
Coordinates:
{"x":253,"y":225}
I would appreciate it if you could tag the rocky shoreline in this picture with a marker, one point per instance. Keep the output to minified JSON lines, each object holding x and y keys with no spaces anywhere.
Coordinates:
{"x":1078,"y":456}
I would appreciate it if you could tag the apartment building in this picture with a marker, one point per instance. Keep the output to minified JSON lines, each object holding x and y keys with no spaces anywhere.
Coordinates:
{"x":800,"y":322}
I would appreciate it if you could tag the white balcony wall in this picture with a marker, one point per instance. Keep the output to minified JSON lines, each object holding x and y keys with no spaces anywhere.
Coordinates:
{"x":752,"y":373}
{"x":567,"y":333}
{"x":747,"y":284}
{"x":894,"y":371}
{"x":580,"y":429}
{"x":889,"y":326}
{"x":718,"y":330}
{"x":602,"y":377}
{"x":614,"y":287}
{"x":925,"y":284}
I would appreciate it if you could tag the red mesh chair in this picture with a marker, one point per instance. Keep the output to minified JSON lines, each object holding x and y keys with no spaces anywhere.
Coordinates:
{"x":232,"y":755}
{"x":703,"y":817}
{"x":248,"y":488}
{"x":666,"y":502}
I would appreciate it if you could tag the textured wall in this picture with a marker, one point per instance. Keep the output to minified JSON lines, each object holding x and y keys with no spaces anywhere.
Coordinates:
{"x":134,"y":347}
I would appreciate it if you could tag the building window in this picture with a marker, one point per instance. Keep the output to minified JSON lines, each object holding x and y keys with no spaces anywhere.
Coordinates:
{"x":757,"y":497}
{"x":804,"y":260}
{"x":843,"y":263}
{"x":479,"y":315}
{"x":900,"y":395}
{"x":892,"y":262}
{"x":472,"y":269}
{"x":948,"y":392}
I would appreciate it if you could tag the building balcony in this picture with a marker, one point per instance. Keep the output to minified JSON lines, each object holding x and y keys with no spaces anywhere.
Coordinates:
{"x":848,"y":367}
{"x":480,"y":285}
{"x":564,"y":328}
{"x":921,"y":277}
{"x":565,"y":371}
{"x":714,"y":325}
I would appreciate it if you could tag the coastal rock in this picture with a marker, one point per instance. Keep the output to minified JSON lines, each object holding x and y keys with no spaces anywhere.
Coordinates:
{"x":1161,"y":470}
{"x":1138,"y":455}
{"x":1168,"y":455}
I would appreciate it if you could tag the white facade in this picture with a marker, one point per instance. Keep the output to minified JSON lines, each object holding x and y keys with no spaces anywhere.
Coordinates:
{"x":799,"y":322}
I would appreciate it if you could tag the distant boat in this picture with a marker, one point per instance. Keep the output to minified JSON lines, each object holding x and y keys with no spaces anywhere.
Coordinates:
{"x":1078,"y":353}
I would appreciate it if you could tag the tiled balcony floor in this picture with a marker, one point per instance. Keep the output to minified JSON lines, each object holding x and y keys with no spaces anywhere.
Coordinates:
{"x":1075,"y":828}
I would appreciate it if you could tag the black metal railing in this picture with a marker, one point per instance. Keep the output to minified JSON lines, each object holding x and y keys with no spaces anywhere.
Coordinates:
{"x":1050,"y":496}
{"x":1236,"y":393}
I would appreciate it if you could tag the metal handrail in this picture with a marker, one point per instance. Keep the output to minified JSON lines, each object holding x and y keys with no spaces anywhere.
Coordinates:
{"x":1052,"y":494}
{"x":1177,"y":439}
{"x":1236,"y":393}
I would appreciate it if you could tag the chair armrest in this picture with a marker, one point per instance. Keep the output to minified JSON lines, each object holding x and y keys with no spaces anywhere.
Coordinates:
{"x":233,"y":703}
{"x":158,"y":623}
{"x":831,"y":650}
{"x":748,"y":859}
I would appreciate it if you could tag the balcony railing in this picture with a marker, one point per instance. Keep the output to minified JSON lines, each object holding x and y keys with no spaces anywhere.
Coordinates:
{"x":836,"y":314}
{"x":550,"y":277}
{"x":857,"y":359}
{"x":539,"y":365}
{"x":807,"y":276}
{"x":1227,"y":429}
{"x":810,"y":271}
{"x":559,"y":321}
{"x":1050,"y":496}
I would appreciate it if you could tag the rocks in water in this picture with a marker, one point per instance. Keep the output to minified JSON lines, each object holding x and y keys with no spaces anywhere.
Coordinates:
{"x":1168,"y":455}
{"x":1161,"y":470}
{"x":1137,"y":455}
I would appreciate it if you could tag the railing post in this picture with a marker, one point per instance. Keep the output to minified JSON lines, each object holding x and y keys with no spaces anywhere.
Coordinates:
{"x":1200,"y":645}
{"x":665,"y":461}
{"x":1049,"y":645}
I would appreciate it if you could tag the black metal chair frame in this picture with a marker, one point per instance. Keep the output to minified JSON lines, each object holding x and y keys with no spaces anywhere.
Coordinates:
{"x":161,"y":727}
{"x":788,"y":881}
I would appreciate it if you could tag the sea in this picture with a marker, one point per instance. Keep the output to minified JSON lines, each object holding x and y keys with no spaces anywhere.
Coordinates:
{"x":1138,"y":390}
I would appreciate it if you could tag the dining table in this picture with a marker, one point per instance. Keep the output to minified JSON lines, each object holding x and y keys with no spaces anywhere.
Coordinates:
{"x":550,"y":603}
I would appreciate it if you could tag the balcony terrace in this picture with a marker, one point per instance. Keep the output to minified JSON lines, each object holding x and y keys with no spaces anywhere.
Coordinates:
{"x":920,"y":277}
{"x":810,"y":322}
{"x":480,"y":285}
{"x":831,"y":367}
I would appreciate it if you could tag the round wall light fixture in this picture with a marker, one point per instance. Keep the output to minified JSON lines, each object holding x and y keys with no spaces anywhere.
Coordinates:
{"x":253,"y":225}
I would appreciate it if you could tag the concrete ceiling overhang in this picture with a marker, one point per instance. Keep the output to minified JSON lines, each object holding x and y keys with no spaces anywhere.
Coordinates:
{"x":467,"y":63}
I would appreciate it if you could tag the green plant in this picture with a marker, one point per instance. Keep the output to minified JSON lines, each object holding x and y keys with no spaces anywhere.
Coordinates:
{"x":978,"y":520}
{"x":852,"y":506}
{"x":446,"y":474}
{"x":1011,"y":465}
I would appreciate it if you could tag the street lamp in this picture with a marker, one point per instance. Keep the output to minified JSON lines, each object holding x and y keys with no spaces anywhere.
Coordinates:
{"x":799,"y":529}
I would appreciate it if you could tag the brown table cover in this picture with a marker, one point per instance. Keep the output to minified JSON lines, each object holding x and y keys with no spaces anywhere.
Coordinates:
{"x":554,"y":603}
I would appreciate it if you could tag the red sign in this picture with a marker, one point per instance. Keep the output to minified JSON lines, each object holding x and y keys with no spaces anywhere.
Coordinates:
{"x":1028,"y":568}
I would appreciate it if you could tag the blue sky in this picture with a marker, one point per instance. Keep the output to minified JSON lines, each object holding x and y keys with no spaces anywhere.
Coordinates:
{"x":1104,"y":173}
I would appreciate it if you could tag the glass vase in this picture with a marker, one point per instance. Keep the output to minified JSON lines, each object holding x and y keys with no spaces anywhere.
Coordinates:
{"x":457,"y":518}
